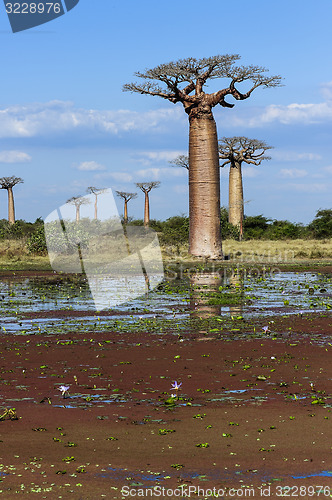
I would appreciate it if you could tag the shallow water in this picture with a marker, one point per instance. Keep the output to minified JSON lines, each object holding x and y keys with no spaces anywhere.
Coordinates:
{"x":174,"y":300}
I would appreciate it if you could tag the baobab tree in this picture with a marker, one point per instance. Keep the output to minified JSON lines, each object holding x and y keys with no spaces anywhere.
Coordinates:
{"x":238,"y":150}
{"x":8,"y":183}
{"x":126,"y":197}
{"x":78,"y":201}
{"x":146,"y":188}
{"x":181,"y":161}
{"x":96,"y":192}
{"x":183,"y":81}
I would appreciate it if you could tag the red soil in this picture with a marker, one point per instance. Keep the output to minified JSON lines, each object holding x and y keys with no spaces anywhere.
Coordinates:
{"x":270,"y":433}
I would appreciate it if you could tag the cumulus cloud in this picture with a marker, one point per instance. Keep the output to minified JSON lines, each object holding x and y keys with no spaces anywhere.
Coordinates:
{"x":90,"y":166}
{"x":293,"y":173}
{"x":57,"y":117}
{"x":14,"y":157}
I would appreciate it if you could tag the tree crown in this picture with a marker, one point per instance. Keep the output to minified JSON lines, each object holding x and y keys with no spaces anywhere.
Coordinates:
{"x":126,"y":196}
{"x":183,"y":80}
{"x":147,"y":186}
{"x":9,"y":182}
{"x":96,"y":191}
{"x":78,"y":201}
{"x":242,"y":149}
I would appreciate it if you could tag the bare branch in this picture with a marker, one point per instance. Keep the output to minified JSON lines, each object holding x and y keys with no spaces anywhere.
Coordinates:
{"x":147,"y":186}
{"x":181,"y":161}
{"x":126,"y":196}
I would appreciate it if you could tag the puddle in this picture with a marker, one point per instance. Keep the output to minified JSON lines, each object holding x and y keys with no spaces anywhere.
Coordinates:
{"x":324,"y":473}
{"x":173,"y":303}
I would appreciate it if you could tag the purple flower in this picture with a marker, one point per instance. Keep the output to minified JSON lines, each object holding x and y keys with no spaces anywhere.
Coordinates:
{"x":266,"y":329}
{"x":176,"y":386}
{"x":64,"y":389}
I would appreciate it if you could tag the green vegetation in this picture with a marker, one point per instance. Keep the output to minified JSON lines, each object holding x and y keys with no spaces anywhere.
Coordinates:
{"x":23,"y":243}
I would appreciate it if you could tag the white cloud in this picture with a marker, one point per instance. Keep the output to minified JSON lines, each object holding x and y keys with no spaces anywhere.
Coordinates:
{"x":14,"y":157}
{"x":157,"y":173}
{"x":293,"y":113}
{"x":90,"y":166}
{"x":293,"y":173}
{"x":42,"y":119}
{"x":292,"y":156}
{"x":117,"y":176}
{"x":310,"y":187}
{"x":328,"y":169}
{"x":326,"y":90}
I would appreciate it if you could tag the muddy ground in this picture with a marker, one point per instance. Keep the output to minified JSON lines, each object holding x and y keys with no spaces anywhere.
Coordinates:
{"x":253,"y":411}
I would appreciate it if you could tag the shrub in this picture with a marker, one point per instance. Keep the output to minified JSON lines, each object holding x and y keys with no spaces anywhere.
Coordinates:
{"x":321,"y":226}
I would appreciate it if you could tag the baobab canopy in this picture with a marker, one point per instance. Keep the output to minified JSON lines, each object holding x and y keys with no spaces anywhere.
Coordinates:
{"x":187,"y":76}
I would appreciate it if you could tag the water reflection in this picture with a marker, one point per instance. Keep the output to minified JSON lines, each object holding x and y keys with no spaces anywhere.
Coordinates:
{"x":212,"y":293}
{"x":236,"y":282}
{"x":202,"y":286}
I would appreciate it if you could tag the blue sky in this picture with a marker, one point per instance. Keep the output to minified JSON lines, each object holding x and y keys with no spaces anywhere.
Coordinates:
{"x":65,"y":123}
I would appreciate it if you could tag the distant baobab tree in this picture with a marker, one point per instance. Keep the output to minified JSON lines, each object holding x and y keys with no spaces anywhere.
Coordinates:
{"x":181,"y":161}
{"x":126,"y":197}
{"x":146,"y":188}
{"x":78,"y":201}
{"x":183,"y":81}
{"x":238,"y":150}
{"x":8,"y":183}
{"x":96,"y":192}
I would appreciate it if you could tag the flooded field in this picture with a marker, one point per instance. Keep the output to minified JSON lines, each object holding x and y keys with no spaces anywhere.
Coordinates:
{"x":174,"y":302}
{"x":208,"y":380}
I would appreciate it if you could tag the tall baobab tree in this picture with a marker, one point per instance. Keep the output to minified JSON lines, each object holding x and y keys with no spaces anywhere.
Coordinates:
{"x":78,"y":201}
{"x":238,"y":150}
{"x":146,"y":188}
{"x":183,"y":81}
{"x":8,"y":183}
{"x":96,"y":192}
{"x":126,"y":197}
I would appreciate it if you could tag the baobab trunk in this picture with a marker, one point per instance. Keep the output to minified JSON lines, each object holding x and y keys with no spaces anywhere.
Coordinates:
{"x":77,"y":214}
{"x":235,"y":213}
{"x":204,"y":188}
{"x":125,"y":212}
{"x":146,"y":210}
{"x":96,"y":208}
{"x":11,"y":207}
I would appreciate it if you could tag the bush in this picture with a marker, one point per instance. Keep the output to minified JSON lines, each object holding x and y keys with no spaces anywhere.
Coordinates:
{"x":284,"y":230}
{"x":36,"y":243}
{"x":255,"y":226}
{"x":321,"y":226}
{"x":227,"y":229}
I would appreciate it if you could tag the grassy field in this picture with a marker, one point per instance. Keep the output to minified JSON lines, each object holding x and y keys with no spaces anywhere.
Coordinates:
{"x":14,"y":255}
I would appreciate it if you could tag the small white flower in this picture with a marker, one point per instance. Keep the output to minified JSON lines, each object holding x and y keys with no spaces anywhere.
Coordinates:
{"x":64,"y":389}
{"x":176,"y":386}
